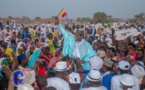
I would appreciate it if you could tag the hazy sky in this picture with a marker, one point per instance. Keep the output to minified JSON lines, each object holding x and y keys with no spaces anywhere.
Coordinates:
{"x":75,"y":8}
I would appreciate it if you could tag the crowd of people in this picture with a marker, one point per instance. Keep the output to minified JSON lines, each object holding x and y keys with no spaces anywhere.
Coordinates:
{"x":53,"y":56}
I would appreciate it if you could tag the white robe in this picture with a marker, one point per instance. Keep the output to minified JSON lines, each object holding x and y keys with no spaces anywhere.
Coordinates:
{"x":58,"y":83}
{"x":95,"y":88}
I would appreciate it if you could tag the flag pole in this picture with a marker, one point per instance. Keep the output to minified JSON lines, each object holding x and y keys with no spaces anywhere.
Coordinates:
{"x":59,"y":13}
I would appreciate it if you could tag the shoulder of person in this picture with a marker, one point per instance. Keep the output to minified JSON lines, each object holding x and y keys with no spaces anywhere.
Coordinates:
{"x":116,"y":77}
{"x":56,"y":79}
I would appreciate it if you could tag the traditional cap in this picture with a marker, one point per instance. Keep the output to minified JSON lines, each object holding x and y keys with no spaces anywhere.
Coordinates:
{"x":138,"y":71}
{"x":136,"y":42}
{"x":102,"y":54}
{"x":74,"y":78}
{"x":97,"y":35}
{"x":124,"y":65}
{"x":7,"y":26}
{"x":61,"y":66}
{"x":96,"y":63}
{"x":127,"y":80}
{"x":80,"y":31}
{"x":21,"y":57}
{"x":94,"y":75}
{"x":108,"y":63}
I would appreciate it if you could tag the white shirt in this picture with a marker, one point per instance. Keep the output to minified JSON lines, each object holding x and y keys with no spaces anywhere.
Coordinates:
{"x":116,"y":85}
{"x":96,"y":27}
{"x":76,"y":53}
{"x":100,"y":25}
{"x":95,"y":88}
{"x":115,"y":24}
{"x":109,"y":40}
{"x":58,"y":83}
{"x":1,"y":35}
{"x":43,"y":31}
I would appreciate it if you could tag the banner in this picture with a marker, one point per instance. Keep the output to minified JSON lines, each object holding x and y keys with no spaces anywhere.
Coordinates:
{"x":125,"y":33}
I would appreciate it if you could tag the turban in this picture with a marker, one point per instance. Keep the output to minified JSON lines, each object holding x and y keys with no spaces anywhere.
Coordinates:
{"x":21,"y":57}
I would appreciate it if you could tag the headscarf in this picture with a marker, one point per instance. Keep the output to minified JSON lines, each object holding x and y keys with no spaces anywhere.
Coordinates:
{"x":20,"y":44}
{"x":17,"y":53}
{"x":28,"y":50}
{"x":21,"y":57}
{"x":51,"y":46}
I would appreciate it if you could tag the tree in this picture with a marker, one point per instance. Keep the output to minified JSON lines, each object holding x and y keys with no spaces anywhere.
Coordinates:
{"x":25,"y":17}
{"x":78,"y":19}
{"x":37,"y":18}
{"x":10,"y":17}
{"x":140,"y":16}
{"x":100,"y":16}
{"x":83,"y":19}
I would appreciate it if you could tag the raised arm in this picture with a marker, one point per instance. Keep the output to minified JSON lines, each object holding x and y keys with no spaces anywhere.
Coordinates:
{"x":63,"y":31}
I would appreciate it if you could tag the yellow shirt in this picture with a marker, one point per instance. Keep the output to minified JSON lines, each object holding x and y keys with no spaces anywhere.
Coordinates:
{"x":31,"y":31}
{"x":105,"y":29}
{"x":9,"y":52}
{"x":54,"y":34}
{"x":17,"y":54}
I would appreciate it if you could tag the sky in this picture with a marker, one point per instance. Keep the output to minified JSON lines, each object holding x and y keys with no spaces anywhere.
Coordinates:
{"x":75,"y":8}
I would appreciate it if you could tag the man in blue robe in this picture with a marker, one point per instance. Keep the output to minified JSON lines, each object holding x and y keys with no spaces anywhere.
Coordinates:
{"x":76,"y":47}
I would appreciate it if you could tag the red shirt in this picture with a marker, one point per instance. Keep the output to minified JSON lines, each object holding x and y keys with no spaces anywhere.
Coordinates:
{"x":42,"y":72}
{"x":134,"y":55}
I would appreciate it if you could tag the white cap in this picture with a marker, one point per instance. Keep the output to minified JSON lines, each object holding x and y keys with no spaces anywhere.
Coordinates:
{"x":61,"y":66}
{"x":138,"y":71}
{"x":136,"y":42}
{"x":94,"y":75}
{"x":97,"y":35}
{"x":13,"y":20}
{"x":25,"y":87}
{"x":96,"y":63}
{"x":108,"y":31}
{"x":74,"y":78}
{"x":127,"y":80}
{"x":7,"y":26}
{"x":102,"y":54}
{"x":124,"y":65}
{"x":92,"y":25}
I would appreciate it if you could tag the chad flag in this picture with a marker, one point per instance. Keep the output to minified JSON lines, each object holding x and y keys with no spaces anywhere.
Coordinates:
{"x":63,"y":14}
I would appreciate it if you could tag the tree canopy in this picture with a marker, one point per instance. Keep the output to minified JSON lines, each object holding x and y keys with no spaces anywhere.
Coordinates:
{"x":37,"y":18}
{"x":100,"y":16}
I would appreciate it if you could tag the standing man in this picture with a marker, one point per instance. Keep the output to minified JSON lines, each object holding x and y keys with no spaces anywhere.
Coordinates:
{"x":59,"y":81}
{"x":76,"y":47}
{"x":13,"y":24}
{"x":94,"y":83}
{"x":26,"y":34}
{"x":7,"y":32}
{"x":1,"y":26}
